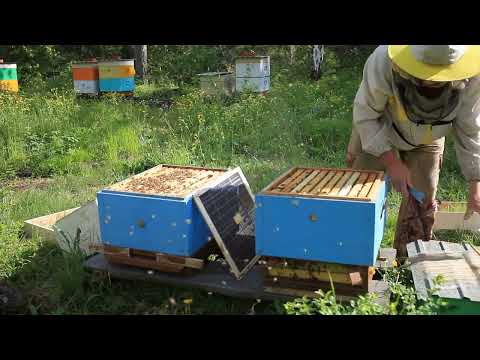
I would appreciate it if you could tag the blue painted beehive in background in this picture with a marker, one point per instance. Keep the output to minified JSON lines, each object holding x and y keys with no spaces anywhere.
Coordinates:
{"x":154,"y":211}
{"x":327,"y":215}
{"x":117,"y":76}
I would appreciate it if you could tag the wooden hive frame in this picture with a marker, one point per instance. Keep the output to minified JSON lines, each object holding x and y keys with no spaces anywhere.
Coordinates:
{"x":341,"y":184}
{"x":301,"y":276}
{"x":194,"y":183}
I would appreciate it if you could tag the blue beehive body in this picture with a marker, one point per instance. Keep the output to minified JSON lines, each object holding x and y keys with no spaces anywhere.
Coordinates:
{"x":336,"y":230}
{"x":117,"y":85}
{"x":150,"y":222}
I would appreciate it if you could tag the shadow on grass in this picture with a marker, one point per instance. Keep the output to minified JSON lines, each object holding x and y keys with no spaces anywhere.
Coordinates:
{"x":55,"y":282}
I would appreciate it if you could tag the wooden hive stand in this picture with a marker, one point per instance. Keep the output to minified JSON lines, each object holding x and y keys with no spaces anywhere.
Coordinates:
{"x":300,"y":277}
{"x":157,"y":261}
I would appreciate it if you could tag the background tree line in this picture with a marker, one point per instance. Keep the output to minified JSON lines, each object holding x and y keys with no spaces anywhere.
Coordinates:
{"x":175,"y":63}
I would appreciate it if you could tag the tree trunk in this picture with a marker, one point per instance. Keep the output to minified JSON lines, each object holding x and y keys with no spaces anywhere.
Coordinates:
{"x":318,"y":52}
{"x":293,"y":49}
{"x":139,"y":53}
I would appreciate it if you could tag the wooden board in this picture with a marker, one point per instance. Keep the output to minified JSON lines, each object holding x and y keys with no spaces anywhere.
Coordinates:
{"x":367,"y":186}
{"x":358,"y":185}
{"x":151,"y":260}
{"x":458,"y":264}
{"x":167,"y":180}
{"x":309,"y":178}
{"x":372,"y":194}
{"x":43,"y":226}
{"x":215,"y":277}
{"x":321,"y":175}
{"x":83,"y":219}
{"x":347,"y":184}
{"x":335,"y":190}
{"x":317,"y":188}
{"x":297,"y":180}
{"x":450,"y":216}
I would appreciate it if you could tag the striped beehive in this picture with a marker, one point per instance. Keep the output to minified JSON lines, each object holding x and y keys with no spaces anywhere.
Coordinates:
{"x":85,"y":77}
{"x":329,"y":215}
{"x":117,"y":76}
{"x":8,"y":77}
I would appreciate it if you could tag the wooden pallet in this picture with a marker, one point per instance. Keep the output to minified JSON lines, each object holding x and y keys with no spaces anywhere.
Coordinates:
{"x":319,"y":272}
{"x":306,"y":277}
{"x":156,"y":261}
{"x":216,"y":278}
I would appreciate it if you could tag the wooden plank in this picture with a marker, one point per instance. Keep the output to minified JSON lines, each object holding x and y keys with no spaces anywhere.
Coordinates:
{"x":214,"y":278}
{"x":200,"y":181}
{"x":349,"y":184}
{"x":340,"y":184}
{"x":274,"y":184}
{"x":357,"y":187}
{"x":314,"y":182}
{"x":342,"y":169}
{"x":309,"y":285}
{"x":307,"y":180}
{"x":287,"y":177}
{"x":185,"y":186}
{"x":194,"y":167}
{"x":186,"y":261}
{"x":297,"y":181}
{"x":143,"y":263}
{"x":368,"y":185}
{"x":321,"y":184}
{"x":319,"y":196}
{"x":372,"y":194}
{"x":146,"y":256}
{"x":43,"y":226}
{"x":287,"y":181}
{"x":331,"y":183}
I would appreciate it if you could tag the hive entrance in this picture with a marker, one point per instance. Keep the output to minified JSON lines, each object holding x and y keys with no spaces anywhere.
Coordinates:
{"x":328,"y":183}
{"x":178,"y":181}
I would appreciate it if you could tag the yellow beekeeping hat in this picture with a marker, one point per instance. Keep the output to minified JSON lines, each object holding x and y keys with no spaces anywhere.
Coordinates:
{"x":437,"y":62}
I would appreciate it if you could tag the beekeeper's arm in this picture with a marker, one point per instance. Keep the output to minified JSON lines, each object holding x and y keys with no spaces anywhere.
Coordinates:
{"x":467,"y":143}
{"x":370,"y":103}
{"x":368,"y":108}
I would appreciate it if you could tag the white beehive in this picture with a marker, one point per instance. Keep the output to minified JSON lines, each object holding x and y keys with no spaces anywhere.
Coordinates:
{"x":217,"y":83}
{"x":252,"y":73}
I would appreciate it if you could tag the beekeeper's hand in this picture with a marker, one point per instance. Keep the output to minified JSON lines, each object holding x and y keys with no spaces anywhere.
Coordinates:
{"x":350,"y":158}
{"x":397,"y":171}
{"x":473,"y":205}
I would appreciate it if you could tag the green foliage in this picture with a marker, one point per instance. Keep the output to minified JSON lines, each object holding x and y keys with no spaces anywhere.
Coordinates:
{"x":403,"y":300}
{"x":83,"y":145}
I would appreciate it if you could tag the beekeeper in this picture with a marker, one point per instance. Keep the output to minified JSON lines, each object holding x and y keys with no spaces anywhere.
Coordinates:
{"x":410,"y":98}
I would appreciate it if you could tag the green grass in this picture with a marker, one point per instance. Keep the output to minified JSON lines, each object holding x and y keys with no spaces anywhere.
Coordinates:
{"x":82,"y":145}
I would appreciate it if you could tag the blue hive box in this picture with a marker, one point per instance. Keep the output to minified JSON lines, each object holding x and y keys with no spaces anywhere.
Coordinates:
{"x":154,"y":211}
{"x":326,"y":215}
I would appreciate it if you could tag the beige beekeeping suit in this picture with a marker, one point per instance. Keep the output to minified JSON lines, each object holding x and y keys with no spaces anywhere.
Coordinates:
{"x":381,"y":123}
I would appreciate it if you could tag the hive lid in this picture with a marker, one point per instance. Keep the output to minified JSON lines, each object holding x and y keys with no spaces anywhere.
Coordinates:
{"x":340,"y":184}
{"x":457,"y":263}
{"x":168,"y":181}
{"x":216,"y":73}
{"x":114,"y":60}
{"x":88,"y":61}
{"x":2,"y":62}
{"x":228,"y":208}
